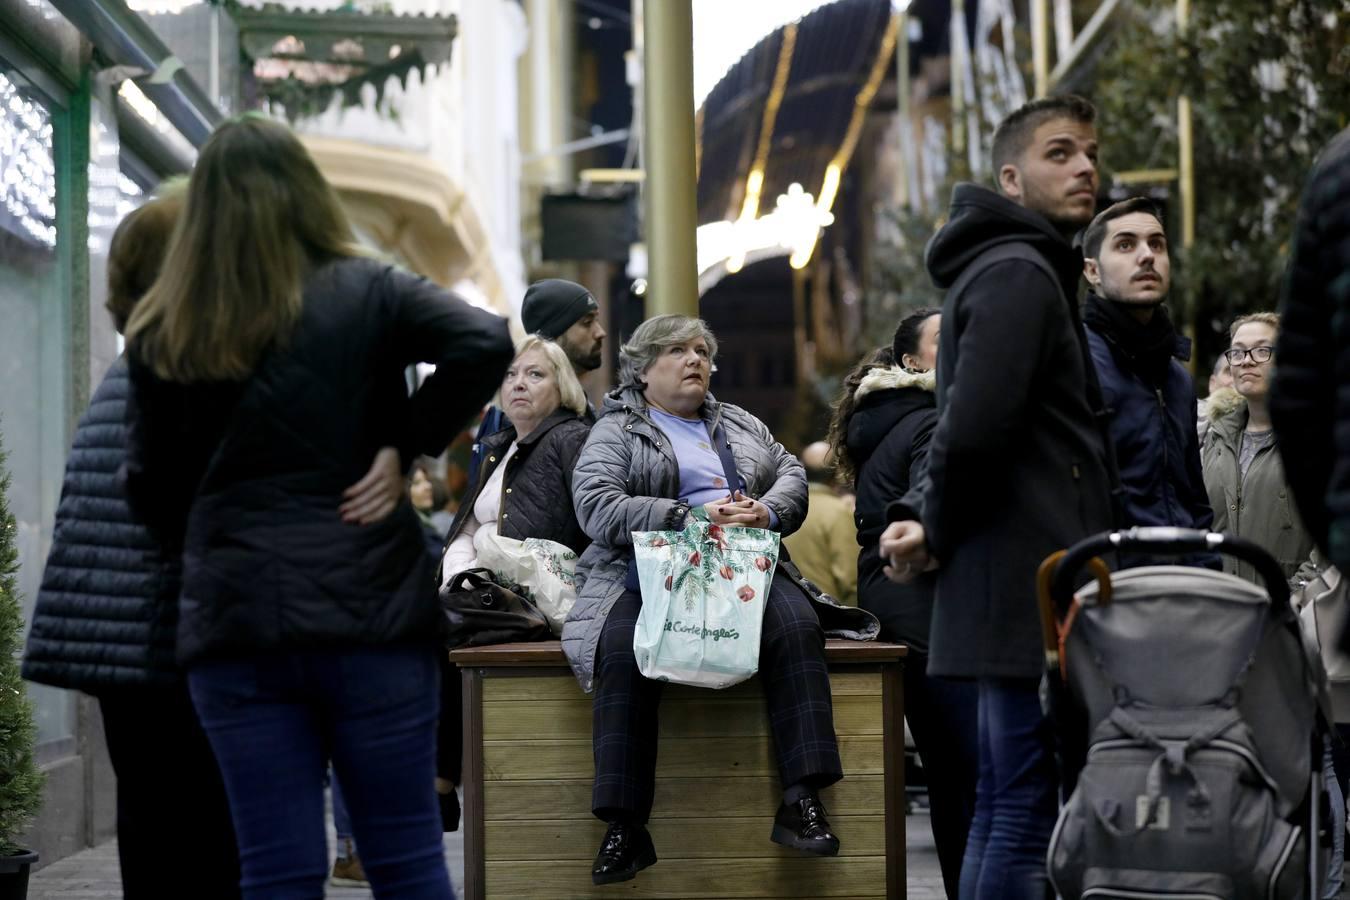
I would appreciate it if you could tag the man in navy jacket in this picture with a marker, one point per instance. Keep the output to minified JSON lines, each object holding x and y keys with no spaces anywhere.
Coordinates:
{"x":1148,"y":394}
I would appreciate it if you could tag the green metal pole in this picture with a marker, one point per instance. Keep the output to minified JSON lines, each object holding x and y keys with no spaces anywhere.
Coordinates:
{"x":668,"y":155}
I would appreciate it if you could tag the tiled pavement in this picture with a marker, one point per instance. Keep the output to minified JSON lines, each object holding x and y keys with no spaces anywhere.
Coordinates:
{"x":92,"y":875}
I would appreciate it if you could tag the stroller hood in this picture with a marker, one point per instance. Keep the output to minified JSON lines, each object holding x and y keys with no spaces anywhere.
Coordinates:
{"x":1178,"y":637}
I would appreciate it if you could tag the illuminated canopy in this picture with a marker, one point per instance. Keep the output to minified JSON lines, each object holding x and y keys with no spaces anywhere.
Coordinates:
{"x":783,"y":123}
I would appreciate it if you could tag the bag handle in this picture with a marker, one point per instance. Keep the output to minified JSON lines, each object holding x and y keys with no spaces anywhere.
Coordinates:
{"x":470,"y":579}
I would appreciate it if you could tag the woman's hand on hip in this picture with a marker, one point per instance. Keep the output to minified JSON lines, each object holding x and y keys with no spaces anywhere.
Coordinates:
{"x":377,"y":494}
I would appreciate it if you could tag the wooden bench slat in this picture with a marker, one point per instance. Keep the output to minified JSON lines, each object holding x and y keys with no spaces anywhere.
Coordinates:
{"x":564,"y":687}
{"x":549,"y":653}
{"x":513,"y":801}
{"x":690,"y":838}
{"x":692,"y":718}
{"x":678,"y":757}
{"x":843,"y":876}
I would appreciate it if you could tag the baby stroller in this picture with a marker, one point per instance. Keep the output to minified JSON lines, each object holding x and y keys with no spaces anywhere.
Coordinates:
{"x":1200,"y":699}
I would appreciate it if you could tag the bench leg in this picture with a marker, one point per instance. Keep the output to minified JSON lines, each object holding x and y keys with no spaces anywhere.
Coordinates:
{"x":893,"y":728}
{"x":475,"y":887}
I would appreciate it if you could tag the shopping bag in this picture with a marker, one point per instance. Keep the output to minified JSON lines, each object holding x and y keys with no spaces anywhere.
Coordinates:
{"x":546,"y":570}
{"x":703,"y":595}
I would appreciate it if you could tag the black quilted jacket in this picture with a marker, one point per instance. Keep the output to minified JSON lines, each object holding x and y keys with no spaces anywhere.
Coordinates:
{"x":108,"y":605}
{"x":251,"y":475}
{"x":537,"y":486}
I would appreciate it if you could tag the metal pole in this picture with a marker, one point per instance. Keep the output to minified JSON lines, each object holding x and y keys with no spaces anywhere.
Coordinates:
{"x":668,"y":155}
{"x":903,"y":111}
{"x":1185,"y":145}
{"x":958,"y":90}
{"x":1186,"y":185}
{"x":1040,"y":46}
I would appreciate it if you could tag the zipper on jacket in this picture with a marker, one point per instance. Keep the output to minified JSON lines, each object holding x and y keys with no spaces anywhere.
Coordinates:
{"x":501,"y":509}
{"x":1166,"y":466}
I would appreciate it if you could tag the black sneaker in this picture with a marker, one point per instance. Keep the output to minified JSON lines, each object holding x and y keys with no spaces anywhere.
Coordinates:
{"x":803,"y":826}
{"x":625,"y":851}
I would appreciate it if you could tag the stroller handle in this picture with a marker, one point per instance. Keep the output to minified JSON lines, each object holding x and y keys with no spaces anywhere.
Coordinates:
{"x":1162,"y":541}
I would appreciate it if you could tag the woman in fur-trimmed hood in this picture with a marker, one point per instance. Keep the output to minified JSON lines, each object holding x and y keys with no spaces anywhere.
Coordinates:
{"x":881,"y":430}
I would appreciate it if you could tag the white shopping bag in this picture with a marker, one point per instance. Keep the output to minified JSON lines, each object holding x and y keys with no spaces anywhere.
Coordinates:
{"x":703,"y":595}
{"x":546,"y":570}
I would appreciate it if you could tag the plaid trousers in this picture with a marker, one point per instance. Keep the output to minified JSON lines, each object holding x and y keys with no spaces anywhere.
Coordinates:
{"x":796,"y":689}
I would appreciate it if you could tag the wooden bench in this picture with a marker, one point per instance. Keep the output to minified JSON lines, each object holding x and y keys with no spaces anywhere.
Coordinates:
{"x":528,"y":768}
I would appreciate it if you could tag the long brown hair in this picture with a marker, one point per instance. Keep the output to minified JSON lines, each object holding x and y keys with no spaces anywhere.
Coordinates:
{"x":259,"y":215}
{"x":844,"y":468}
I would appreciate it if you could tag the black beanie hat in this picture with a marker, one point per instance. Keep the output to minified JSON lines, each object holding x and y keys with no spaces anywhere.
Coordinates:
{"x":553,"y":305}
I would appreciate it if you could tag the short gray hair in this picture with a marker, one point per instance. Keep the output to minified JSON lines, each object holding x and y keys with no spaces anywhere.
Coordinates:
{"x":569,"y":388}
{"x":638,"y":354}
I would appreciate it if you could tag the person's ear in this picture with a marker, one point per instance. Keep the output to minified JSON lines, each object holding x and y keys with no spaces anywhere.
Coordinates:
{"x":1010,"y":181}
{"x":1092,"y":272}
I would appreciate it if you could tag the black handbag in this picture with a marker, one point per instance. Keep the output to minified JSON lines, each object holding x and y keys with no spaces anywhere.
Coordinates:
{"x":480,"y":611}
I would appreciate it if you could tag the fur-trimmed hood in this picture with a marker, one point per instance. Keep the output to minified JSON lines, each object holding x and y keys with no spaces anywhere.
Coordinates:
{"x":892,"y":378}
{"x":1221,"y":402}
{"x":883,"y":398}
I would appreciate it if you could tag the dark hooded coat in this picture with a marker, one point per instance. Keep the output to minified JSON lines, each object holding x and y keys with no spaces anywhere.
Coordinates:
{"x":888,"y":437}
{"x":1018,"y":466}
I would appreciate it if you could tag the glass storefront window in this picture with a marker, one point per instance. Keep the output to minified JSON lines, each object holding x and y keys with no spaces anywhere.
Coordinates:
{"x":34,"y":348}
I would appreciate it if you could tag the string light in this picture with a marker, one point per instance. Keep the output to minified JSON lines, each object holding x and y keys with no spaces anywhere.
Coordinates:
{"x":27,"y":165}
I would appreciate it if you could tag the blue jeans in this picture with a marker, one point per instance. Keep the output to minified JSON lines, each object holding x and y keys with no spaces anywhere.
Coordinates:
{"x":942,"y":715}
{"x":1334,"y":879}
{"x":275,"y":721}
{"x":342,"y":820}
{"x":1015,"y":798}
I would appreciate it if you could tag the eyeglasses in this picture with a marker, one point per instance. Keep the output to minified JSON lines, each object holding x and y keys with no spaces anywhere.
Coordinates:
{"x":1258,"y":355}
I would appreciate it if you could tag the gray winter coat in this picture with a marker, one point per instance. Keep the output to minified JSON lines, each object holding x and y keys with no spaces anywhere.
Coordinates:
{"x":628,"y":479}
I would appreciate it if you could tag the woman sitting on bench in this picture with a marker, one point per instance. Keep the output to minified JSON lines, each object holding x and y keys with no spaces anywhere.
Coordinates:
{"x":523,"y":491}
{"x":649,"y":459}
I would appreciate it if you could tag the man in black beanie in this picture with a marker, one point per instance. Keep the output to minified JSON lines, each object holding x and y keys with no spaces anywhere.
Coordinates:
{"x":565,"y":312}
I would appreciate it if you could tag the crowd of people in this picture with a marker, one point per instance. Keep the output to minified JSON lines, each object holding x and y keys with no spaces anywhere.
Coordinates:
{"x":248,"y":550}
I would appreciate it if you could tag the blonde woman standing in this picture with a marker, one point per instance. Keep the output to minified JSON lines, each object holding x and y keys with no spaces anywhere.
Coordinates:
{"x":267,"y":367}
{"x":1244,"y":472}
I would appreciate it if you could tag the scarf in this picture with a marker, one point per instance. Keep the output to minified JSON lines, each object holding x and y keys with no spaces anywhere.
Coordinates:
{"x":1147,"y":349}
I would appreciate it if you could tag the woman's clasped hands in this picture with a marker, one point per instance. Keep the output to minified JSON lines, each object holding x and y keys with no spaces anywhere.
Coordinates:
{"x":738,"y":510}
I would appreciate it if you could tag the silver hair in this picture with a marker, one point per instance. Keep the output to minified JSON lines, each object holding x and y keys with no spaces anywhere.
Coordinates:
{"x":569,"y":388}
{"x":641,"y":350}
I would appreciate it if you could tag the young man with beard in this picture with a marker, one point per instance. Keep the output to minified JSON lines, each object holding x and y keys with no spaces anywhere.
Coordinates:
{"x":567,"y":314}
{"x":1147,"y":393}
{"x":1017,"y":467}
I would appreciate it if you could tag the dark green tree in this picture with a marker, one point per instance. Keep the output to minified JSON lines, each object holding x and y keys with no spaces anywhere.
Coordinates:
{"x":900,"y":281}
{"x":1269,"y":85}
{"x":20,"y":780}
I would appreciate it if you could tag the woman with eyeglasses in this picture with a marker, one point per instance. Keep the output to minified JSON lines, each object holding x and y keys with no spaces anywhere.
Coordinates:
{"x":1244,"y":474}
